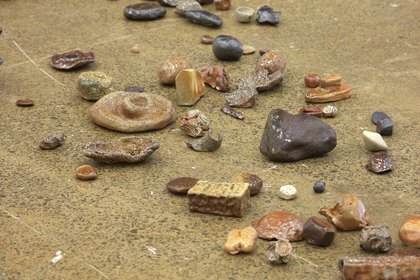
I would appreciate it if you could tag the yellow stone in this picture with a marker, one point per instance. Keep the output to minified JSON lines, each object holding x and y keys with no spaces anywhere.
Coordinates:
{"x":189,"y":87}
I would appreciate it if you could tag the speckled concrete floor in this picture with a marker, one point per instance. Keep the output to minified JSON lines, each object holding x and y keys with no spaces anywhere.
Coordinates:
{"x":125,"y":225}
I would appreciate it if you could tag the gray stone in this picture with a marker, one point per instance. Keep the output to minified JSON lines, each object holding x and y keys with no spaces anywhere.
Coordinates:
{"x":144,"y":11}
{"x":204,"y":18}
{"x":266,"y":15}
{"x":227,"y":48}
{"x":187,"y":5}
{"x":384,"y":124}
{"x":375,"y":239}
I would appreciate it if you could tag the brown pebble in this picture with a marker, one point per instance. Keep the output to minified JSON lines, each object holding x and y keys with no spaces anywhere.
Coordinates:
{"x":171,"y":68}
{"x":255,"y":182}
{"x":232,"y":112}
{"x":222,"y":5}
{"x":24,"y":103}
{"x":135,"y":49}
{"x":409,"y":232}
{"x":71,"y":60}
{"x":248,"y":50}
{"x":315,"y":111}
{"x":318,"y":232}
{"x":207,"y":39}
{"x":134,"y":89}
{"x":181,"y":185}
{"x":216,"y":77}
{"x":279,"y":252}
{"x":312,"y":80}
{"x":86,"y":173}
{"x":279,"y":225}
{"x":241,"y":240}
{"x":52,"y":141}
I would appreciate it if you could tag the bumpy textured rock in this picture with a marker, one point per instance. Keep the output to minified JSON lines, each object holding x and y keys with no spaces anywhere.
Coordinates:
{"x":171,"y":68}
{"x":204,"y":18}
{"x":279,"y":252}
{"x":216,"y":77}
{"x":241,"y":240}
{"x":187,"y":5}
{"x":194,"y":123}
{"x":318,"y":232}
{"x":266,"y":15}
{"x":52,"y":141}
{"x":379,"y":162}
{"x":71,"y":60}
{"x":279,"y":225}
{"x":272,"y":61}
{"x":375,"y":239}
{"x":244,"y":96}
{"x":144,"y":11}
{"x":255,"y":182}
{"x":290,"y":137}
{"x":133,"y":111}
{"x":227,"y":48}
{"x":409,"y":232}
{"x":93,"y":85}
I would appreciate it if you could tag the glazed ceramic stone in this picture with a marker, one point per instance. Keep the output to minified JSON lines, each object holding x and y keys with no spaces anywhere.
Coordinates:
{"x":93,"y":85}
{"x":133,"y":111}
{"x":290,"y":137}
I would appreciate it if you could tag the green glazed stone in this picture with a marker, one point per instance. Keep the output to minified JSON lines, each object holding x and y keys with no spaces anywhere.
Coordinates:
{"x":93,"y":85}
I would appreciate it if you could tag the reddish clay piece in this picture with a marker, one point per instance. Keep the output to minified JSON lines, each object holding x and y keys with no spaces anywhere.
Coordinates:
{"x":409,"y":232}
{"x":24,"y":103}
{"x":86,"y":173}
{"x":207,"y":39}
{"x":279,"y":225}
{"x":181,"y":185}
{"x":318,"y":232}
{"x":71,"y":60}
{"x":312,"y":80}
{"x":222,"y":5}
{"x":216,"y":77}
{"x":315,"y":111}
{"x":232,"y":112}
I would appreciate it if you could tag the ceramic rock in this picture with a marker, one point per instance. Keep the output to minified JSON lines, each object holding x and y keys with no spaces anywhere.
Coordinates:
{"x":255,"y":182}
{"x":133,"y":111}
{"x":204,"y":18}
{"x":171,"y":68}
{"x":216,"y":77}
{"x":328,"y":94}
{"x":207,"y":143}
{"x":375,"y":239}
{"x":374,"y":141}
{"x":244,"y":14}
{"x":93,"y":85}
{"x":187,"y":5}
{"x":86,"y":173}
{"x":312,"y":80}
{"x":279,"y":225}
{"x":384,"y":124}
{"x":315,"y":111}
{"x":409,"y":231}
{"x":379,"y":162}
{"x":348,"y":214}
{"x":318,"y":232}
{"x":189,"y":87}
{"x":288,"y":137}
{"x":241,"y":240}
{"x":244,"y":96}
{"x":279,"y":252}
{"x":71,"y":60}
{"x":131,"y":149}
{"x":52,"y":141}
{"x":266,"y":15}
{"x":194,"y":123}
{"x":272,"y":61}
{"x":144,"y":11}
{"x":227,"y":48}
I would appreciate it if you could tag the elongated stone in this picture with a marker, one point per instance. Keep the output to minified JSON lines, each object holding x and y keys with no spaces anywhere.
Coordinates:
{"x":181,"y":185}
{"x":204,"y":18}
{"x":71,"y":60}
{"x":189,"y":87}
{"x":187,"y":5}
{"x":329,"y":94}
{"x":226,"y":199}
{"x":144,"y":11}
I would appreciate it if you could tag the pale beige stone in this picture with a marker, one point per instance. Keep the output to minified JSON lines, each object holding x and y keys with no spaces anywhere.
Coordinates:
{"x":241,"y":240}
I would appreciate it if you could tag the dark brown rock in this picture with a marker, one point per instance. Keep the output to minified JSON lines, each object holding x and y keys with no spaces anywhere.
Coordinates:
{"x":232,"y":112}
{"x":376,"y":239}
{"x":71,"y":60}
{"x":144,"y":11}
{"x":315,"y":111}
{"x":379,"y":162}
{"x":255,"y":182}
{"x":52,"y":141}
{"x":24,"y":103}
{"x":86,"y":173}
{"x":318,"y":232}
{"x":288,"y":137}
{"x":272,"y":61}
{"x":216,"y":77}
{"x":181,"y":185}
{"x":312,"y":80}
{"x":279,"y":225}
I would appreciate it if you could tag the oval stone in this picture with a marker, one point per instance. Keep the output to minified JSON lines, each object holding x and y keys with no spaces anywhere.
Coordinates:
{"x":204,"y":18}
{"x":181,"y":185}
{"x":279,"y":225}
{"x":227,"y":48}
{"x":144,"y":11}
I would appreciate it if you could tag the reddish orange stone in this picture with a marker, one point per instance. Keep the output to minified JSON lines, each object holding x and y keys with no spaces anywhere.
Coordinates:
{"x":312,"y":80}
{"x":279,"y":225}
{"x":409,"y":232}
{"x":86,"y":173}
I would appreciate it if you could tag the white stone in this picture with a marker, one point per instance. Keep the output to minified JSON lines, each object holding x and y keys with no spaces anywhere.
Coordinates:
{"x":374,"y":141}
{"x":244,"y":14}
{"x":288,"y":192}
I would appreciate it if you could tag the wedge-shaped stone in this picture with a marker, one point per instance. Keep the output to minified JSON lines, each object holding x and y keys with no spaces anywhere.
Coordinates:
{"x":189,"y":87}
{"x":374,"y":141}
{"x":226,"y":199}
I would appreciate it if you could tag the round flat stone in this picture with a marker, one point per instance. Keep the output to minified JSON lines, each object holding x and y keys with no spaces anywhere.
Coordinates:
{"x":255,"y":182}
{"x":181,"y":185}
{"x":86,"y":173}
{"x":288,"y":192}
{"x":144,"y":11}
{"x":279,"y":225}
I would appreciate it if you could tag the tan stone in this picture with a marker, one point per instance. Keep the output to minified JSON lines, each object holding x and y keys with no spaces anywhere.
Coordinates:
{"x":329,"y":94}
{"x":241,"y":240}
{"x":409,"y":232}
{"x":189,"y":87}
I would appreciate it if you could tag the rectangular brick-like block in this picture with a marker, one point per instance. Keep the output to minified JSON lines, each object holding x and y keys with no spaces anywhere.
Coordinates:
{"x":226,"y":199}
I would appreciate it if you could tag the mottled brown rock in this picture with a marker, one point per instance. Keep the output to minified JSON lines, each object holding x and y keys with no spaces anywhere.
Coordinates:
{"x":86,"y":173}
{"x":222,"y":5}
{"x":381,"y":268}
{"x":409,"y":232}
{"x":232,"y":112}
{"x":265,"y":81}
{"x":133,"y":111}
{"x":131,"y":149}
{"x":216,"y":77}
{"x":279,"y":225}
{"x":330,"y":80}
{"x":24,"y":103}
{"x":207,"y":39}
{"x":208,"y":143}
{"x":312,"y":80}
{"x":255,"y":182}
{"x":181,"y":185}
{"x":379,"y":162}
{"x":376,"y":239}
{"x":244,"y":96}
{"x":348,"y":214}
{"x":171,"y":68}
{"x":226,"y":199}
{"x":272,"y":61}
{"x":406,"y":251}
{"x":71,"y":60}
{"x":189,"y":87}
{"x":315,"y":111}
{"x":279,"y":252}
{"x":318,"y":232}
{"x":52,"y":141}
{"x":241,"y":240}
{"x":329,"y":94}
{"x":194,"y":123}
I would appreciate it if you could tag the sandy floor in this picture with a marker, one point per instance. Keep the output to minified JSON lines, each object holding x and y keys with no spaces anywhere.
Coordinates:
{"x":125,"y":225}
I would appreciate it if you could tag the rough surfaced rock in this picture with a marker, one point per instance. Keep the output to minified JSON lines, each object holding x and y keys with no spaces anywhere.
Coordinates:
{"x":290,"y":137}
{"x":379,"y":162}
{"x":133,"y":111}
{"x":375,"y":239}
{"x":241,"y":240}
{"x":279,"y":225}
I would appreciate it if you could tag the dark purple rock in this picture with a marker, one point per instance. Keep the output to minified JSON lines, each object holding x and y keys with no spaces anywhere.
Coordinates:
{"x":376,"y":116}
{"x":144,"y":11}
{"x":266,"y":15}
{"x":71,"y":60}
{"x":379,"y":162}
{"x":289,"y":137}
{"x":318,"y":232}
{"x":227,"y":48}
{"x":204,"y":18}
{"x":384,"y":124}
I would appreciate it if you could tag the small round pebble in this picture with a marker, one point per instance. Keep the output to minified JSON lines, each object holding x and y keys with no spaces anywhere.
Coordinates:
{"x":312,"y":80}
{"x":52,"y":141}
{"x":144,"y":11}
{"x":288,"y":192}
{"x":135,"y":49}
{"x":207,"y":39}
{"x":181,"y":185}
{"x":319,"y":186}
{"x":227,"y":48}
{"x":93,"y":85}
{"x":24,"y":103}
{"x":86,"y":173}
{"x":248,"y":49}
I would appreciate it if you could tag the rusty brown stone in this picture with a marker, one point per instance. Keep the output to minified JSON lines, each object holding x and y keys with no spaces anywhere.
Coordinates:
{"x":409,"y":232}
{"x":206,"y":39}
{"x":171,"y":68}
{"x":272,"y":61}
{"x":86,"y":173}
{"x":255,"y":182}
{"x":279,"y":225}
{"x":24,"y":103}
{"x":181,"y":185}
{"x":315,"y":111}
{"x":318,"y":232}
{"x":329,"y":94}
{"x":71,"y":60}
{"x":52,"y":141}
{"x":312,"y":80}
{"x":222,"y":5}
{"x":216,"y":77}
{"x":348,"y":214}
{"x":194,"y":123}
{"x":241,"y":240}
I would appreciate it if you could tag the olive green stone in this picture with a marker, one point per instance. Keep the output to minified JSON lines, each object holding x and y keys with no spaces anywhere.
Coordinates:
{"x":93,"y":85}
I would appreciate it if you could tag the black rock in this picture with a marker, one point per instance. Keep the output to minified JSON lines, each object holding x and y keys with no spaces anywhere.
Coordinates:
{"x":227,"y":48}
{"x":204,"y":2}
{"x":1,"y":61}
{"x":290,"y":137}
{"x":144,"y":11}
{"x":204,"y":18}
{"x":319,"y":186}
{"x":384,"y":124}
{"x":376,"y":116}
{"x":379,"y":162}
{"x":266,"y":15}
{"x":170,"y":3}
